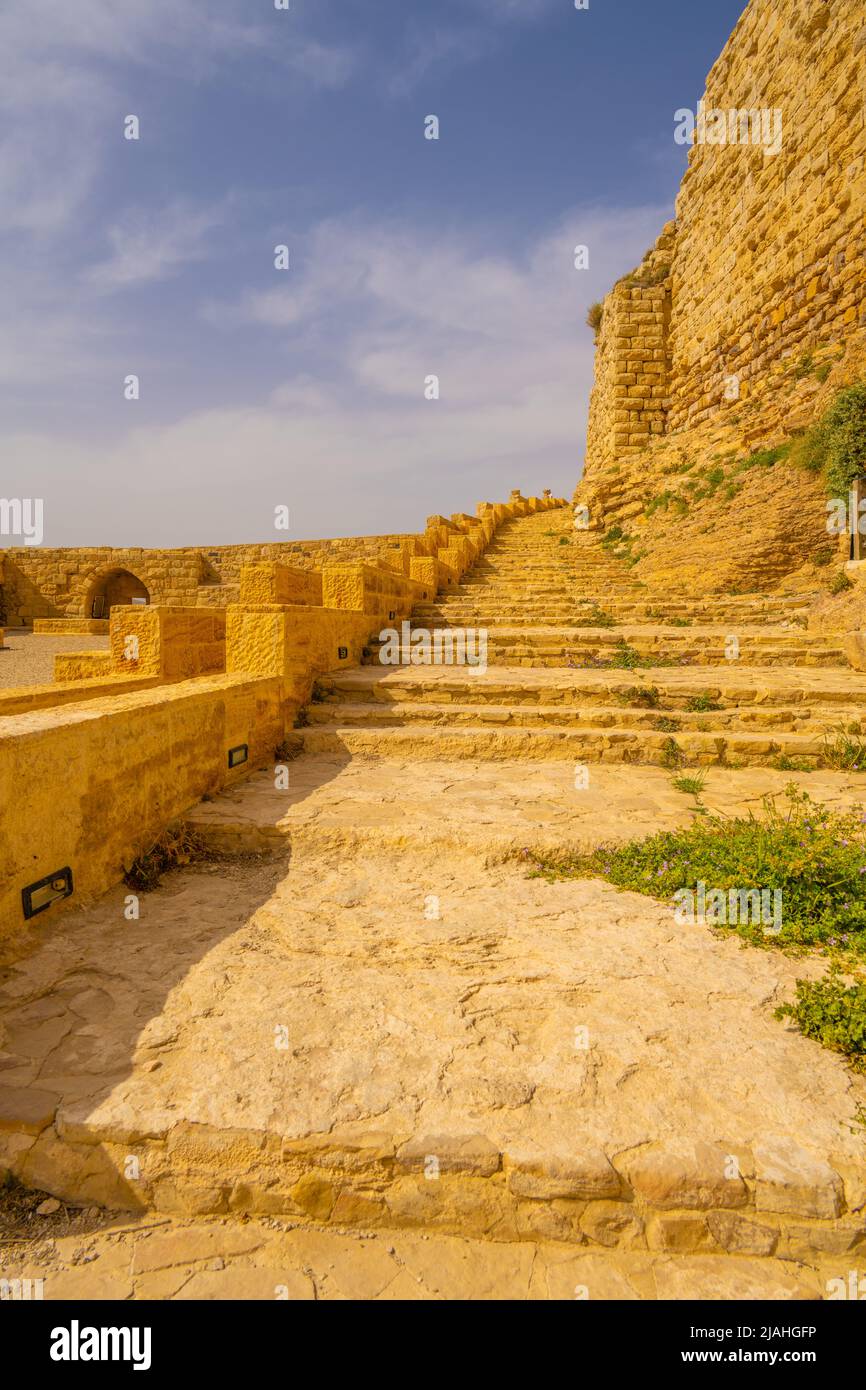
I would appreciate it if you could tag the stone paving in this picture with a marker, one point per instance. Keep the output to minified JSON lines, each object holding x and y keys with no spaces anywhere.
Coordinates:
{"x":270,"y":1260}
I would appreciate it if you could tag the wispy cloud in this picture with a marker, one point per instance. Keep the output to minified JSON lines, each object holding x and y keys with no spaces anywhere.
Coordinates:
{"x":149,"y":245}
{"x":62,"y":94}
{"x":379,"y":311}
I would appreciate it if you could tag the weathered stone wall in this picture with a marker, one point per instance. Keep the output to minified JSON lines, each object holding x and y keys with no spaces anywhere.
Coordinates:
{"x":629,"y":399}
{"x":59,"y":582}
{"x":767,"y":254}
{"x":744,"y":320}
{"x":130,"y":763}
{"x":770,"y":247}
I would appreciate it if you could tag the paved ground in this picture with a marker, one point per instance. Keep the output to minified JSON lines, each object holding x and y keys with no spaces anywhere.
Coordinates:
{"x":300,"y":1031}
{"x":28,"y":658}
{"x":268,"y":1259}
{"x":489,"y":807}
{"x":418,"y":998}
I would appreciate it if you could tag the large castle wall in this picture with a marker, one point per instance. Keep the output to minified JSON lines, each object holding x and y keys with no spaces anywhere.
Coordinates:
{"x":771,"y":248}
{"x":767,"y":254}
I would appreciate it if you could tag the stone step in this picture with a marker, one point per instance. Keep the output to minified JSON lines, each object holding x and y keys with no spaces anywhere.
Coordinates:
{"x":580,"y":745}
{"x":706,"y":647}
{"x":647,"y":599}
{"x":657,"y":636}
{"x":673,"y":688}
{"x":773,"y":718}
{"x":571,"y":616}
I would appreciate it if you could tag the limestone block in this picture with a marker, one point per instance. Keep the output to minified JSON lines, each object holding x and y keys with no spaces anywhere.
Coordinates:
{"x":792,"y":1180}
{"x":689,"y":1176}
{"x":584,"y":1173}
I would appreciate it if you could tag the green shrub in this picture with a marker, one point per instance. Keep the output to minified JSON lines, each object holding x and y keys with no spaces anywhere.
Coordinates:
{"x":661,"y":501}
{"x":783,"y":763}
{"x":836,"y":444}
{"x":672,"y":755}
{"x":815,"y":855}
{"x":832,"y":1014}
{"x":597,"y":617}
{"x":840,"y":582}
{"x":763,"y":458}
{"x":626,"y":658}
{"x":805,"y":366}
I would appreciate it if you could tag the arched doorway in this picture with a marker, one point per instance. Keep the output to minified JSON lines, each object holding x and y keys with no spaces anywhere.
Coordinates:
{"x":115,"y":586}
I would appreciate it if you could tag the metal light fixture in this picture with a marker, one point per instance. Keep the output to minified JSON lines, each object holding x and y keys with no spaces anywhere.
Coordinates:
{"x":36,"y":897}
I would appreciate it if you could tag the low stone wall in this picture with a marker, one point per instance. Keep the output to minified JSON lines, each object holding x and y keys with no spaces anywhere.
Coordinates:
{"x":37,"y":582}
{"x":71,"y":627}
{"x":276,"y":583}
{"x":174,"y":643}
{"x":23,"y":699}
{"x":82,"y":666}
{"x":89,"y":786}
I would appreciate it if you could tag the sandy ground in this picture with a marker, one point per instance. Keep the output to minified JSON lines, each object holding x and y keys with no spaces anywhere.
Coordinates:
{"x":28,"y":658}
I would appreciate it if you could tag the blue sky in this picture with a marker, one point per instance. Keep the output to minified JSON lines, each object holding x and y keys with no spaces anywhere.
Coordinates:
{"x":409,"y":257}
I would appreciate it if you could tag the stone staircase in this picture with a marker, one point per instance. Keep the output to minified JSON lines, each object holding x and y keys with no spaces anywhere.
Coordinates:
{"x":585,"y":663}
{"x":367,"y":1034}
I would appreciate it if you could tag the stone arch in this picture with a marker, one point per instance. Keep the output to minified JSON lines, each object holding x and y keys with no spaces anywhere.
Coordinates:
{"x":113,"y":586}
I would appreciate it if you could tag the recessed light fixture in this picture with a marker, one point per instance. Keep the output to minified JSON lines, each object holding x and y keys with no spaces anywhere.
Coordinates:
{"x":342,"y":653}
{"x":238,"y":755}
{"x":36,"y":897}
